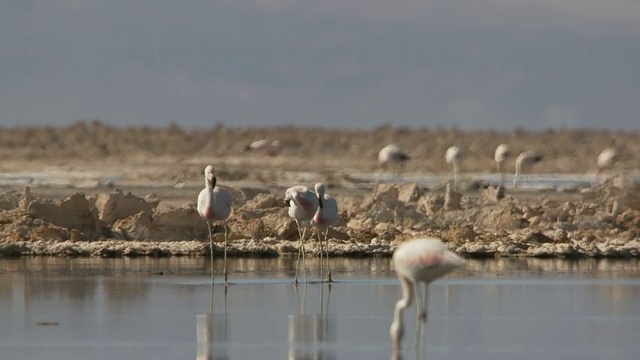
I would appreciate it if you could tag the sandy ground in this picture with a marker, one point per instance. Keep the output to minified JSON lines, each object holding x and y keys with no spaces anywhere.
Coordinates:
{"x":172,"y":153}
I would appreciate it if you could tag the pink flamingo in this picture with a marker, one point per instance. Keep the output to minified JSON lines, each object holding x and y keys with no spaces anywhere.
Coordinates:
{"x":326,"y":216}
{"x":525,"y":161}
{"x":453,"y":156}
{"x":269,"y":148}
{"x":390,"y":155}
{"x":500,"y":156}
{"x":303,"y":205}
{"x":419,"y":260}
{"x":214,"y":204}
{"x":605,"y":160}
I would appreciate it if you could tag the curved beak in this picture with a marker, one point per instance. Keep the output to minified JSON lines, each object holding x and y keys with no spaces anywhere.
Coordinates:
{"x":320,"y":202}
{"x":287,"y":202}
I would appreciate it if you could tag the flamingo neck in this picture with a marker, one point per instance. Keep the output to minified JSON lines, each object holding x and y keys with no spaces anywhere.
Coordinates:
{"x":397,"y":326}
{"x":456,"y":169}
{"x":210,"y":184}
{"x":517,"y":174}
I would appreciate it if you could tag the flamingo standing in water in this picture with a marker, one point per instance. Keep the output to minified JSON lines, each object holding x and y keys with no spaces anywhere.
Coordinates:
{"x":524,"y":161}
{"x":214,"y":204}
{"x":500,"y":156}
{"x":326,"y":215}
{"x":391,"y":155}
{"x":303,"y":205}
{"x":419,"y":261}
{"x":453,"y":156}
{"x":605,"y":160}
{"x":270,"y":148}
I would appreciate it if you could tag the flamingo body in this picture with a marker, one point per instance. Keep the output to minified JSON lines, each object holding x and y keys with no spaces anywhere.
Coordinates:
{"x":302,"y":202}
{"x":606,"y":159}
{"x":270,"y":148}
{"x":501,"y":155}
{"x":392,"y":155}
{"x":453,"y":156}
{"x":415,"y":261}
{"x":525,"y":161}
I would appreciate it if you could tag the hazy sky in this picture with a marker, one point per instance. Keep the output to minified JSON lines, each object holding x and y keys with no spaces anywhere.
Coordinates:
{"x":346,"y":63}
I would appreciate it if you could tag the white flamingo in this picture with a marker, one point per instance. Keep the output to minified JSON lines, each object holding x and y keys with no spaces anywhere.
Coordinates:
{"x":214,"y":204}
{"x":419,"y":261}
{"x":303,"y":205}
{"x":605,"y":160}
{"x":525,"y":161}
{"x":453,"y":156}
{"x":264,"y":146}
{"x":391,"y":155}
{"x":500,"y":156}
{"x":326,"y":215}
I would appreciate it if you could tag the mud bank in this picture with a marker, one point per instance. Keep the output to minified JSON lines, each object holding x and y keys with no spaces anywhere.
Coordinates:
{"x":601,"y":221}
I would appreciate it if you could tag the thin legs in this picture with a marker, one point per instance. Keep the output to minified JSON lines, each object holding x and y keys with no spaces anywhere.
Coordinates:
{"x":301,"y":233}
{"x":226,"y":232}
{"x":210,"y":248}
{"x":326,"y":241}
{"x":224,"y":266}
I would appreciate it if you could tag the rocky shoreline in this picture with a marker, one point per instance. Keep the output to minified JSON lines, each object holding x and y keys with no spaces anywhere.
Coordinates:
{"x":599,"y":222}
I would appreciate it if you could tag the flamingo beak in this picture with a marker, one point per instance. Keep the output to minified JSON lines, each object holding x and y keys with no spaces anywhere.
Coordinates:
{"x":212,"y":181}
{"x":287,"y":202}
{"x":320,"y":202}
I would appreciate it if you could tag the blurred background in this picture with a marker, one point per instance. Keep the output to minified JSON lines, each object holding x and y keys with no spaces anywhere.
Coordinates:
{"x":482,"y":64}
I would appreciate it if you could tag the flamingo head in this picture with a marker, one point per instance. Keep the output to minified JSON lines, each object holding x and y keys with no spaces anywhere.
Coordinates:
{"x":210,"y":175}
{"x":287,"y":199}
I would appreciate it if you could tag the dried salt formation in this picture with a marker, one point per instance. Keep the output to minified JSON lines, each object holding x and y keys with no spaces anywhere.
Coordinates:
{"x":451,"y":198}
{"x":117,"y":206}
{"x":74,"y":212}
{"x":603,"y":221}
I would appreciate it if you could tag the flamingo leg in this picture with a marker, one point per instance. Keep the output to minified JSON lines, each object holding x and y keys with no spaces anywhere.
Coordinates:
{"x":210,"y":248}
{"x":419,"y":303}
{"x":456,"y":173}
{"x":421,"y":308}
{"x":304,"y":256}
{"x":295,"y":278}
{"x":321,"y":262}
{"x":224,"y":224}
{"x":225,"y":302}
{"x":424,"y":313}
{"x":326,"y":240}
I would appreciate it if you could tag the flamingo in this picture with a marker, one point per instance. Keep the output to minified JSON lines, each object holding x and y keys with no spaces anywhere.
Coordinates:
{"x":214,"y":204}
{"x":453,"y":156}
{"x":326,"y":216}
{"x":391,"y":154}
{"x":303,"y":205}
{"x":605,"y":160}
{"x":419,"y":260}
{"x":500,"y":156}
{"x":270,"y":148}
{"x":525,"y":160}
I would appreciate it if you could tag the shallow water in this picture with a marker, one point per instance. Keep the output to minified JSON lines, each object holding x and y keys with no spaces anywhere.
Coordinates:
{"x":150,"y":309}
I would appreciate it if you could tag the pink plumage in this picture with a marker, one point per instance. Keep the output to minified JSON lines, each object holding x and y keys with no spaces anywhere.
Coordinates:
{"x":416,"y":261}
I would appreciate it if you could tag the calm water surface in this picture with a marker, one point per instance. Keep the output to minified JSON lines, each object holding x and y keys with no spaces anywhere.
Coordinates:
{"x":54,"y":308}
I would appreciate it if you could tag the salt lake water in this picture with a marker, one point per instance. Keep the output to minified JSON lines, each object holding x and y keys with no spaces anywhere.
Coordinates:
{"x":54,"y":308}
